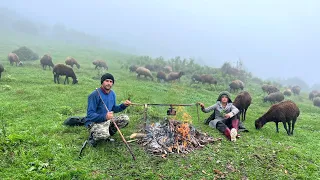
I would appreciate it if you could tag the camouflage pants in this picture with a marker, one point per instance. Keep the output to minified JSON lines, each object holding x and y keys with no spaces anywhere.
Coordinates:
{"x":103,"y":130}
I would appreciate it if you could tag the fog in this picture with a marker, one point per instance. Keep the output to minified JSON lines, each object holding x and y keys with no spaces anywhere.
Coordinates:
{"x":273,"y":38}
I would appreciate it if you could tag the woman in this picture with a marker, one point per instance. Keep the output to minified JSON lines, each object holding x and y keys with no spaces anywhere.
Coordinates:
{"x":224,"y":116}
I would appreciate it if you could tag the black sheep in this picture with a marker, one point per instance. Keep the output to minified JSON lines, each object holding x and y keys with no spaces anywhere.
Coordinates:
{"x":274,"y":97}
{"x":235,"y":85}
{"x":45,"y":61}
{"x":63,"y":70}
{"x":242,"y":102}
{"x":161,"y":76}
{"x":174,"y":75}
{"x":285,"y":112}
{"x":133,"y":68}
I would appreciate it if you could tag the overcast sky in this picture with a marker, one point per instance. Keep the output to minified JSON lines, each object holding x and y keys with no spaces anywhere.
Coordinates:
{"x":274,"y":38}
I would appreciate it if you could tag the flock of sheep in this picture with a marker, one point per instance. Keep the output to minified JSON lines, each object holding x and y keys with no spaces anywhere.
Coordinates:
{"x":58,"y":69}
{"x":284,"y":111}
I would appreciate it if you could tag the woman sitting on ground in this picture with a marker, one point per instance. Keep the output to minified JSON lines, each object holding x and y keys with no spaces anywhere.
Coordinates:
{"x":225,"y":116}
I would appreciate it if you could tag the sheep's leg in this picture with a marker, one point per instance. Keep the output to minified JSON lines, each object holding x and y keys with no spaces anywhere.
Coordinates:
{"x":289,"y":131}
{"x":285,"y":126}
{"x":293,"y":122}
{"x":277,"y":127}
{"x":54,"y":78}
{"x":66,"y":80}
{"x":58,"y":79}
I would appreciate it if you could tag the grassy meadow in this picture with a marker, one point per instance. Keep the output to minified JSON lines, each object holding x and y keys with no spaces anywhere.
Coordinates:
{"x":34,"y":143}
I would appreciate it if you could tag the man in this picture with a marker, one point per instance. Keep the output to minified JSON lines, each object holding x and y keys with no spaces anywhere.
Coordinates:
{"x":224,"y":116}
{"x":101,"y":106}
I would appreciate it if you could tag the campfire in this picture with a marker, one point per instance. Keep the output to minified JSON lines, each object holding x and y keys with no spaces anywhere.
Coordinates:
{"x":173,"y":136}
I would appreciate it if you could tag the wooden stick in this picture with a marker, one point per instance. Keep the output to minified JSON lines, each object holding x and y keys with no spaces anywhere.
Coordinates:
{"x":157,"y":104}
{"x":123,"y":139}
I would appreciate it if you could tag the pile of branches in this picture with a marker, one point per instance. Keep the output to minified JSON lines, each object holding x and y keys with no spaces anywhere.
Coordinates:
{"x":173,"y":136}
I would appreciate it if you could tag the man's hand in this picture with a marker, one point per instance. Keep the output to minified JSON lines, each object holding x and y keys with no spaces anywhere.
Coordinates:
{"x":127,"y":103}
{"x":109,"y":115}
{"x":201,"y":104}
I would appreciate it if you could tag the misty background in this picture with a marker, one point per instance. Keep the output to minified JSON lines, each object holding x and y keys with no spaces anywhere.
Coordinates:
{"x":276,"y":40}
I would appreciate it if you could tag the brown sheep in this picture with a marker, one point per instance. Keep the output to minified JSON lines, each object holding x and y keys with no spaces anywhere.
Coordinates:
{"x":174,"y":75}
{"x":269,"y":88}
{"x":71,"y":61}
{"x":285,"y":112}
{"x":313,"y":94}
{"x":206,"y":78}
{"x":63,"y":70}
{"x":316,"y":101}
{"x":167,"y":69}
{"x":287,"y":92}
{"x":1,"y":69}
{"x":45,"y":61}
{"x":13,"y":58}
{"x":100,"y":63}
{"x":133,"y":68}
{"x":235,"y":85}
{"x":144,"y":71}
{"x":161,"y":76}
{"x":242,"y":102}
{"x":196,"y":78}
{"x":274,"y":97}
{"x":296,"y":90}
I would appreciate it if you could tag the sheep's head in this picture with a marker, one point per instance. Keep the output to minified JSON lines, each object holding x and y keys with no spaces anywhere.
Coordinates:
{"x":181,"y":73}
{"x":78,"y":66}
{"x":259,"y":123}
{"x":20,"y":63}
{"x":75,"y":81}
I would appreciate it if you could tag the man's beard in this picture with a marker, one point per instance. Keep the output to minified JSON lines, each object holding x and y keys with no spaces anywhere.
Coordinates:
{"x":107,"y":87}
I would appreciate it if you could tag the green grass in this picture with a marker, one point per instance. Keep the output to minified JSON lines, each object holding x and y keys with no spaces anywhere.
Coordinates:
{"x":35,"y":144}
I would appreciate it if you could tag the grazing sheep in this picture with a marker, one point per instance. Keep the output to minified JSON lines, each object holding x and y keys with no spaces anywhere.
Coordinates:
{"x":296,"y":90}
{"x":269,"y":88}
{"x":287,"y":92}
{"x":13,"y":58}
{"x":150,"y":67}
{"x":313,"y":94}
{"x":174,"y":75}
{"x":285,"y":112}
{"x":316,"y":101}
{"x":100,"y":63}
{"x":195,"y":78}
{"x":71,"y":61}
{"x":206,"y":78}
{"x":167,"y":69}
{"x":144,"y":71}
{"x":161,"y":76}
{"x":242,"y":102}
{"x":1,"y":69}
{"x":274,"y":97}
{"x":63,"y":70}
{"x":235,"y":85}
{"x":133,"y":68}
{"x":45,"y":61}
